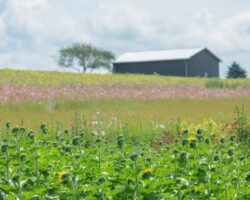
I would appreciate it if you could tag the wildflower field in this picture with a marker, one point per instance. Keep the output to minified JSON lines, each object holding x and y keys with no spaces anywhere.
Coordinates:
{"x":53,"y":97}
{"x":73,"y":136}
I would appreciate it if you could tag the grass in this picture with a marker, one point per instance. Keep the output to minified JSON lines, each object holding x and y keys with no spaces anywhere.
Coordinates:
{"x":134,"y":111}
{"x":19,"y":77}
{"x":124,"y":148}
{"x":229,"y":84}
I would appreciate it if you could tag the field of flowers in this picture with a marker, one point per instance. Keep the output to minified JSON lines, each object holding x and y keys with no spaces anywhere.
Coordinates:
{"x":20,"y":77}
{"x":94,"y":159}
{"x":56,"y":96}
{"x":22,"y":86}
{"x":123,"y":137}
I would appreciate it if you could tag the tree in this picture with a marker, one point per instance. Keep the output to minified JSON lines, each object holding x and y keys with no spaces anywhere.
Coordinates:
{"x":236,"y":71}
{"x":85,"y":56}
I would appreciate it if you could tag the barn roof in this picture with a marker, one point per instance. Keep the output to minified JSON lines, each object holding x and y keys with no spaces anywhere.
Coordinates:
{"x":176,"y":54}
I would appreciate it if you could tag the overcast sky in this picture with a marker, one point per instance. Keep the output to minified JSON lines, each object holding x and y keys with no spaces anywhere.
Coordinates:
{"x":32,"y":31}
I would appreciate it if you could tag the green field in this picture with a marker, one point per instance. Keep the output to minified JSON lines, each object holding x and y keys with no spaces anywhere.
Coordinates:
{"x":88,"y":136}
{"x":15,"y":77}
{"x":134,"y":111}
{"x":32,"y":112}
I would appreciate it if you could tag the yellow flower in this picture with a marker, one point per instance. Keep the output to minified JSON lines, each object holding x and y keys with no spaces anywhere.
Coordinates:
{"x":148,"y":170}
{"x":190,"y":138}
{"x":147,"y":173}
{"x":60,"y":176}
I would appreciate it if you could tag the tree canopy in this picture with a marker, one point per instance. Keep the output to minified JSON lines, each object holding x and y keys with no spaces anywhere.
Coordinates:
{"x":236,"y":71}
{"x":86,"y":57}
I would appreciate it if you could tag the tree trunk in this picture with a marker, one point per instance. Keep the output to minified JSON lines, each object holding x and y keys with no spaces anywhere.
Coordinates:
{"x":84,"y":69}
{"x":84,"y":65}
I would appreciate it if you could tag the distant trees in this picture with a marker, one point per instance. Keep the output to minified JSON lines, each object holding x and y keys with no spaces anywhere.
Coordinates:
{"x":236,"y":71}
{"x":86,"y":57}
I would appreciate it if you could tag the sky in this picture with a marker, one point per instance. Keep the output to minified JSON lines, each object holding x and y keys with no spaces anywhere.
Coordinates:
{"x":32,"y":31}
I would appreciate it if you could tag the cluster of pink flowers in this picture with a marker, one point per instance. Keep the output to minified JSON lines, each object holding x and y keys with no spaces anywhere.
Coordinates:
{"x":20,"y":93}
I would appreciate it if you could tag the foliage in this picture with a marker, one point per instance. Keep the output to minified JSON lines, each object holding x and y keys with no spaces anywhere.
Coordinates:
{"x":137,"y":113}
{"x":134,"y":156}
{"x":214,"y":84}
{"x":97,"y":160}
{"x":43,"y":78}
{"x":54,"y":96}
{"x":236,"y":71}
{"x":242,"y":125}
{"x":86,"y":56}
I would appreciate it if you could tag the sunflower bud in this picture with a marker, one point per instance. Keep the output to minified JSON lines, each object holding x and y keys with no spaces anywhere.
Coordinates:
{"x":15,"y":130}
{"x":31,"y":135}
{"x":183,"y":156}
{"x":44,"y":128}
{"x":185,"y":142}
{"x":193,"y":144}
{"x":98,"y":140}
{"x":213,"y":169}
{"x":222,"y":140}
{"x":4,"y":148}
{"x":120,"y":141}
{"x":207,"y":141}
{"x":101,"y":180}
{"x":8,"y":125}
{"x":185,"y":132}
{"x":76,"y":141}
{"x":23,"y":157}
{"x":134,"y":156}
{"x":248,"y":178}
{"x":233,"y":138}
{"x":230,"y":152}
{"x":216,"y":158}
{"x":199,"y":132}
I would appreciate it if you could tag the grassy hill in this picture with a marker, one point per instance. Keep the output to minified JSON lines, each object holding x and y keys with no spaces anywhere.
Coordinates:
{"x":87,"y":136}
{"x":30,"y":97}
{"x":17,"y":77}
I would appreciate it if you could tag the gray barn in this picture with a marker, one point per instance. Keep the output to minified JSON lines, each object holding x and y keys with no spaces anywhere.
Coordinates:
{"x":184,"y":62}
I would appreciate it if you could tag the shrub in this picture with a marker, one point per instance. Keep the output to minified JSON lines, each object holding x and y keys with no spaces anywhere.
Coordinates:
{"x":241,"y":124}
{"x":214,"y":84}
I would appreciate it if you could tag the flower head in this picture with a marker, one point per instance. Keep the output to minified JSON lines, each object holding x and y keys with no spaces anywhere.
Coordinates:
{"x":148,"y":170}
{"x":191,"y":138}
{"x":147,"y":173}
{"x":60,"y":176}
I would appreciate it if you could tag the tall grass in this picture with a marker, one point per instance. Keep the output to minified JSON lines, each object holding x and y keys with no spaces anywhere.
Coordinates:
{"x":21,"y":77}
{"x":131,"y":110}
{"x":214,"y":84}
{"x":227,"y":84}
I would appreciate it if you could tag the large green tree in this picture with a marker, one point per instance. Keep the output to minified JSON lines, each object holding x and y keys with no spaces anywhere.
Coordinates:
{"x":236,"y":71}
{"x":86,"y":57}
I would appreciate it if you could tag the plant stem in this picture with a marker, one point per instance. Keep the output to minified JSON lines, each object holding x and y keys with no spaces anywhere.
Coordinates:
{"x":137,"y":191}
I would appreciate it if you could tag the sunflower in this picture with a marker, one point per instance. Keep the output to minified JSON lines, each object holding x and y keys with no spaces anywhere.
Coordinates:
{"x":147,"y":173}
{"x":191,"y":138}
{"x":148,"y":170}
{"x":60,"y":176}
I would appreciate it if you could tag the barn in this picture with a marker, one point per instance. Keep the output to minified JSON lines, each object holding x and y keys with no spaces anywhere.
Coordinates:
{"x":199,"y":62}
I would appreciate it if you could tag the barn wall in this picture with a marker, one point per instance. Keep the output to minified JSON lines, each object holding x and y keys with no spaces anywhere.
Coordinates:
{"x":171,"y":68}
{"x":203,"y":64}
